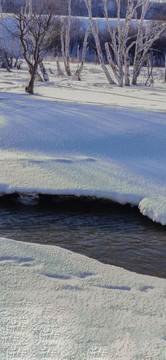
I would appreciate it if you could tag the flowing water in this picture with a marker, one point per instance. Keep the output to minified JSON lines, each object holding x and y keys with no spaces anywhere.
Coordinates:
{"x":108,"y":232}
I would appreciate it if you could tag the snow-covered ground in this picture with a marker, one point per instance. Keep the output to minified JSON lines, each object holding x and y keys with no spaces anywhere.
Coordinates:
{"x":85,"y":138}
{"x":59,"y":305}
{"x":81,"y":138}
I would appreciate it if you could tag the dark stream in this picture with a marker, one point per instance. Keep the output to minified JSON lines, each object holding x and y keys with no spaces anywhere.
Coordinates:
{"x":106,"y":231}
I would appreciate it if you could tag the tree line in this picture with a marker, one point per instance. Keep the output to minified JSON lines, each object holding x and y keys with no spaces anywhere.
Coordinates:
{"x":129,"y":41}
{"x":78,"y":7}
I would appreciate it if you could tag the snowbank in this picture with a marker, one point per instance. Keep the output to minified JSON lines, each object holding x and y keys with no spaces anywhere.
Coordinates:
{"x":59,"y":305}
{"x":73,"y":138}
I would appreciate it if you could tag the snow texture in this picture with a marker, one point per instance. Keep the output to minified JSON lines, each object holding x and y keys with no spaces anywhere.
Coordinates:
{"x":59,"y":305}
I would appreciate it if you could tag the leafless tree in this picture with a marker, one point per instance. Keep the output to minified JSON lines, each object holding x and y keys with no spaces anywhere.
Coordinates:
{"x":3,"y":46}
{"x":67,"y":33}
{"x":122,"y":41}
{"x":94,"y":29}
{"x":33,"y":27}
{"x":81,"y":65}
{"x":147,"y":33}
{"x":59,"y":70}
{"x":65,"y":39}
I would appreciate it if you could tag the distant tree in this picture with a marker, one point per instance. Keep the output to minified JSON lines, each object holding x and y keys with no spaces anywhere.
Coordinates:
{"x":122,"y":41}
{"x":73,"y":35}
{"x":10,"y":49}
{"x":94,"y":29}
{"x":78,"y":8}
{"x":84,"y":48}
{"x":33,"y":27}
{"x":14,"y":6}
{"x":146,"y":35}
{"x":159,"y":47}
{"x":65,"y":39}
{"x":10,"y":6}
{"x":77,"y":33}
{"x":157,"y":11}
{"x":3,"y":46}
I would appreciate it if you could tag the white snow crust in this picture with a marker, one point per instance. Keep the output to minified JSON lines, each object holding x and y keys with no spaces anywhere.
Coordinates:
{"x":85,"y":138}
{"x":59,"y":305}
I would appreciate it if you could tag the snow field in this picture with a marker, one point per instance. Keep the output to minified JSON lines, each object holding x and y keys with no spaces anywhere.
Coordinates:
{"x":73,"y":138}
{"x":59,"y":305}
{"x":83,"y":139}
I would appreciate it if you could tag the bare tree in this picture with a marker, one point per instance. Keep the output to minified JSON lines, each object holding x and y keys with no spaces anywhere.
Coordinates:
{"x":121,"y":41}
{"x":28,"y":7}
{"x":69,"y":34}
{"x":65,"y":40}
{"x":116,"y":44}
{"x":59,"y":70}
{"x":80,"y":66}
{"x":120,"y":38}
{"x":94,"y":29}
{"x":146,"y":35}
{"x":33,"y":28}
{"x":3,"y":42}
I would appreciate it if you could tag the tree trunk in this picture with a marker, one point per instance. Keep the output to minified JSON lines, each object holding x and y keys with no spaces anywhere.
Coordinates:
{"x":5,"y":63}
{"x":38,"y":77}
{"x":44,"y":72}
{"x":134,"y":80}
{"x":29,"y":88}
{"x":94,"y":29}
{"x":59,"y":70}
{"x":121,"y":73}
{"x":100,"y":56}
{"x":111,"y":62}
{"x":136,"y":70}
{"x":67,"y":66}
{"x":127,"y":74}
{"x":65,"y":43}
{"x":80,"y":68}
